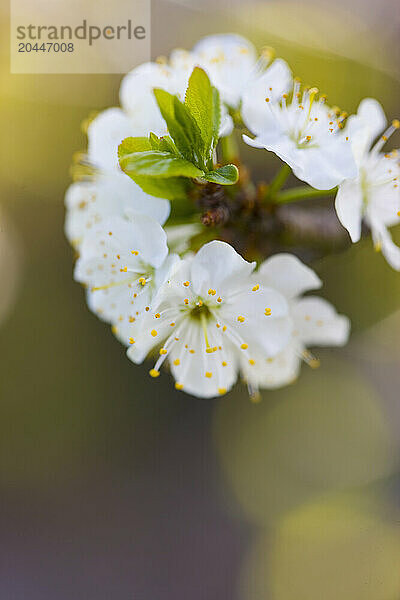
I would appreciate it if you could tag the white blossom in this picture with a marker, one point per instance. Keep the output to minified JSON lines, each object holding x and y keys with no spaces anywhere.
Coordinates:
{"x":236,"y":70}
{"x":108,"y":192}
{"x":374,"y":195}
{"x":304,"y":133}
{"x":314,"y":321}
{"x":209,"y":320}
{"x":123,"y":264}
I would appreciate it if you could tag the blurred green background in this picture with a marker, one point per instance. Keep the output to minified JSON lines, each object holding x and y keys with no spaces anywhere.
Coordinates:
{"x":113,"y":486}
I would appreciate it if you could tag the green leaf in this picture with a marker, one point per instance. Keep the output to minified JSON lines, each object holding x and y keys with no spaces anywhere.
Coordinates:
{"x":171,"y":188}
{"x":167,"y":145}
{"x":158,"y":164}
{"x":227,"y":175}
{"x":182,"y":127}
{"x":203,"y":102}
{"x":133,"y":144}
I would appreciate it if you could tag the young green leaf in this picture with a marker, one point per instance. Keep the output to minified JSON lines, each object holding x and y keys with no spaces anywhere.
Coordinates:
{"x":181,"y":126}
{"x":133,"y":144}
{"x":171,"y":188}
{"x":158,"y":164}
{"x":203,"y":102}
{"x":227,"y":175}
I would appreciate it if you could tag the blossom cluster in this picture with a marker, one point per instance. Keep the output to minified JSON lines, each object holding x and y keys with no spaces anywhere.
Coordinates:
{"x":208,"y":313}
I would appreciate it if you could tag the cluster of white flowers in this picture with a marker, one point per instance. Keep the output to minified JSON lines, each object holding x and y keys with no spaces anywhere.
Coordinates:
{"x":211,"y":315}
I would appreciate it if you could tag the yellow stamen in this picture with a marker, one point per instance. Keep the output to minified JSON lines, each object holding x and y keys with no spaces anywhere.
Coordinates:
{"x":153,"y":373}
{"x":153,"y":332}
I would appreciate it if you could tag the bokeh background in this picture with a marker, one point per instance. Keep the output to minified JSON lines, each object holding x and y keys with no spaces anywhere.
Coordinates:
{"x":113,"y":486}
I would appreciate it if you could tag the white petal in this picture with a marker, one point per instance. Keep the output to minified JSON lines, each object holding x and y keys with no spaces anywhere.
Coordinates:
{"x":327,"y":166}
{"x":383,"y":240}
{"x":348,"y":204}
{"x":287,"y":274}
{"x":255,"y":111}
{"x":317,"y":323}
{"x":200,"y":373}
{"x":230,"y":61}
{"x":89,"y":204}
{"x":137,"y":98}
{"x":275,"y":372}
{"x":245,"y":315}
{"x":105,"y":133}
{"x":364,"y":127}
{"x":218,"y":266}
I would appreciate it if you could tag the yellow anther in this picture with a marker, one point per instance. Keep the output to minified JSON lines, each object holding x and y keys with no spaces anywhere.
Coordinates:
{"x":219,"y":299}
{"x":212,"y":292}
{"x":267,"y":312}
{"x":192,"y":351}
{"x":252,"y":361}
{"x":200,"y":303}
{"x":110,"y":233}
{"x":118,"y":256}
{"x":177,"y":362}
{"x":124,"y":269}
{"x":266,"y":99}
{"x":221,"y":391}
{"x":131,"y":340}
{"x":255,"y":398}
{"x":224,"y":364}
{"x":134,"y":252}
{"x":314,"y":363}
{"x":240,"y":319}
{"x":163,"y":351}
{"x":186,"y":283}
{"x":255,"y":288}
{"x":157,"y":316}
{"x":154,"y":373}
{"x":178,"y":386}
{"x":244,"y":346}
{"x":132,"y":319}
{"x":208,"y":374}
{"x":268,"y":52}
{"x":217,"y":325}
{"x":224,"y":328}
{"x":172,"y":324}
{"x":114,"y":329}
{"x":396,"y":123}
{"x":209,"y":350}
{"x":186,"y":301}
{"x":153,"y":332}
{"x":147,"y":308}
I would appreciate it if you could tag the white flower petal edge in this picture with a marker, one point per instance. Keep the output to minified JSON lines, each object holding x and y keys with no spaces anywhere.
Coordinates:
{"x":230,"y":60}
{"x":314,"y":321}
{"x":91,"y":203}
{"x":209,"y":319}
{"x":123,"y":265}
{"x":374,"y":195}
{"x":305,"y":134}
